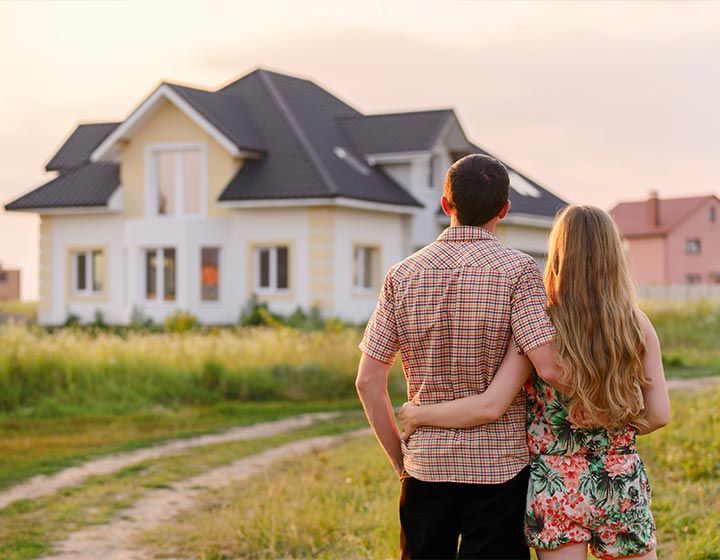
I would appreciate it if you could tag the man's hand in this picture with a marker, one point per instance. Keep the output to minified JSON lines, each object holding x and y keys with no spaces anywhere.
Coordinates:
{"x":408,"y":419}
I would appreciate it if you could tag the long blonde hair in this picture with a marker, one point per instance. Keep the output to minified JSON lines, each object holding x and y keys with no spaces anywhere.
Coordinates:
{"x":591,"y":301}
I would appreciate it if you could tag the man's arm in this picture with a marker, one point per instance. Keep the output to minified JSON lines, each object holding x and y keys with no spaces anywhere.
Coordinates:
{"x":371,"y":384}
{"x":544,"y":361}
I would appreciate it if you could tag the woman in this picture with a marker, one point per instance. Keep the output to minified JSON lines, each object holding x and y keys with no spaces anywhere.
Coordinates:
{"x":588,"y":486}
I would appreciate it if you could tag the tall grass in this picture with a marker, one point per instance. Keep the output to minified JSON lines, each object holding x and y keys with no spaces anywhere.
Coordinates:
{"x":689,"y":333}
{"x":74,"y":368}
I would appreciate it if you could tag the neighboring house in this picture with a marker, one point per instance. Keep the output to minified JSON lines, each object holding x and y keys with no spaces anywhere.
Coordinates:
{"x":672,"y":241}
{"x":9,"y":284}
{"x":270,"y":186}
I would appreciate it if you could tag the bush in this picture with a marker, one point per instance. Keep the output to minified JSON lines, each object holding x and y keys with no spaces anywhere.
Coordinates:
{"x":180,"y":322}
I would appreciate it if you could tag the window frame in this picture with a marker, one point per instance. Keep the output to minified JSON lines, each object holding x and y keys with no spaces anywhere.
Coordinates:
{"x":88,"y":253}
{"x":693,"y":242}
{"x":359,"y":265}
{"x":217,"y":300}
{"x":152,"y":187}
{"x":159,"y":275}
{"x":272,"y":247}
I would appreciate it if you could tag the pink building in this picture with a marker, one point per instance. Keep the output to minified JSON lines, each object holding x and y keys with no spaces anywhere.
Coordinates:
{"x":672,"y":241}
{"x":9,"y":284}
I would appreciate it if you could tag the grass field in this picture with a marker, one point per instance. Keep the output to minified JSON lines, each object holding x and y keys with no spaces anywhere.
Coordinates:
{"x":28,"y":528}
{"x":342,"y":503}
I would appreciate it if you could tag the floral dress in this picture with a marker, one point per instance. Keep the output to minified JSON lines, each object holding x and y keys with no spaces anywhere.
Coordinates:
{"x":586,"y":485}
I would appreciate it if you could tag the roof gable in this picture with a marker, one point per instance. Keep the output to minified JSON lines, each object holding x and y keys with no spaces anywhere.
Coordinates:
{"x":223,"y":118}
{"x":395,"y":132}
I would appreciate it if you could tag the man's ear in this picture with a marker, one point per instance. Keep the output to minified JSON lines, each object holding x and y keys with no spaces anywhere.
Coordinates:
{"x":447,"y":206}
{"x":504,"y":210}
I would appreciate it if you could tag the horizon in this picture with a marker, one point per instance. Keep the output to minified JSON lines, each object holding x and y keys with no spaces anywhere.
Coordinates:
{"x":636,"y":93}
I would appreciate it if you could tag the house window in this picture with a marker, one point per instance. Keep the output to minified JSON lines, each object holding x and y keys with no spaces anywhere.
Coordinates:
{"x":431,"y":171}
{"x":177,"y":181}
{"x":209,"y":273}
{"x":160,"y":274}
{"x":693,"y":279}
{"x":271,"y":269}
{"x":713,"y":214}
{"x":88,"y":272}
{"x":3,"y":277}
{"x":692,"y":247}
{"x":367,"y":265}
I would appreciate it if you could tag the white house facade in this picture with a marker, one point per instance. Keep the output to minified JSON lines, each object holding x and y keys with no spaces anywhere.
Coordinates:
{"x":270,"y":187}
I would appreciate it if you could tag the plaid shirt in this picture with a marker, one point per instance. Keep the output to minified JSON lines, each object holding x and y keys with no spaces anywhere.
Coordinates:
{"x":451,"y":309}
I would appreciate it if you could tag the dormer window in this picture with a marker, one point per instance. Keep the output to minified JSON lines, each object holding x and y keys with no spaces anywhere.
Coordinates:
{"x":177,"y":184}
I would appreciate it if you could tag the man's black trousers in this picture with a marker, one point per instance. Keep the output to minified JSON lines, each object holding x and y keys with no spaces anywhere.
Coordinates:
{"x":488,"y":519}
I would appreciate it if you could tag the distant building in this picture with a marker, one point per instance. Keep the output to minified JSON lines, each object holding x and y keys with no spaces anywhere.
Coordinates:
{"x":672,"y":241}
{"x":9,"y":284}
{"x":270,"y":186}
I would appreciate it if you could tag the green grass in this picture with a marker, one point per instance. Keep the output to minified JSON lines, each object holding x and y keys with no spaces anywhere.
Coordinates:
{"x":25,"y":309}
{"x":28,"y":528}
{"x":689,"y":333}
{"x":44,"y":445}
{"x":66,"y":371}
{"x":343,"y":503}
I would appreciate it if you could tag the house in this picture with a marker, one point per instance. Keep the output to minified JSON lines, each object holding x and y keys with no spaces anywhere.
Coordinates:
{"x":9,"y":284}
{"x":270,"y":186}
{"x":672,"y":241}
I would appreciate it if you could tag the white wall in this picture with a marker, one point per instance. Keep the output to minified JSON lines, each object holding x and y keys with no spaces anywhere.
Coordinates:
{"x":187,"y":236}
{"x":261,"y":225}
{"x":83,"y":231}
{"x":356,"y":227}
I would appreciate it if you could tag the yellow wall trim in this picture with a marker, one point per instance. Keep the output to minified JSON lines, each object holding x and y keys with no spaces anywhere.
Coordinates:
{"x":46,"y":264}
{"x":321,"y":258}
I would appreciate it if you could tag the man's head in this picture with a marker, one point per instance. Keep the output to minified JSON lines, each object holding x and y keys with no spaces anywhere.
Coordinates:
{"x":476,"y":191}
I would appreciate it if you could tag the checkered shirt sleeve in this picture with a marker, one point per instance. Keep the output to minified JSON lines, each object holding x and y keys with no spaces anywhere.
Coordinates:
{"x":531,"y":326}
{"x":380,"y":341}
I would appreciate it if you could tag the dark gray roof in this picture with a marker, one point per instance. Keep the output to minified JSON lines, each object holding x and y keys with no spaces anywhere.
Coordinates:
{"x":225,"y":113}
{"x":547,"y":204}
{"x":298,"y":119}
{"x":89,"y":185}
{"x":77,"y":148}
{"x":310,"y":145}
{"x":395,"y":132}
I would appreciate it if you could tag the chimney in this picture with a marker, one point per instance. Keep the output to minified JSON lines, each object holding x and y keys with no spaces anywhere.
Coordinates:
{"x":653,"y":209}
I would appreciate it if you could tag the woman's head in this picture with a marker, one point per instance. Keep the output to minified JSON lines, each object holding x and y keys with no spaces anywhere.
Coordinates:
{"x":591,"y":300}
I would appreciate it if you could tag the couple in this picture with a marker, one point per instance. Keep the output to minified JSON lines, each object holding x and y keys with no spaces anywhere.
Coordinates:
{"x":553,"y":466}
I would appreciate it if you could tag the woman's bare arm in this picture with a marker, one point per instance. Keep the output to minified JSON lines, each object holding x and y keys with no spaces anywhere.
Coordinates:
{"x":476,"y":409}
{"x":655,"y":396}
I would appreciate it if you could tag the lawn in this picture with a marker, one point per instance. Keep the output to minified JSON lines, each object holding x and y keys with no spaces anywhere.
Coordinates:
{"x":342,"y":503}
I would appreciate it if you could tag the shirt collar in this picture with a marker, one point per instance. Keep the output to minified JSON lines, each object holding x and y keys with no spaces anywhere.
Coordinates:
{"x":465,"y":234}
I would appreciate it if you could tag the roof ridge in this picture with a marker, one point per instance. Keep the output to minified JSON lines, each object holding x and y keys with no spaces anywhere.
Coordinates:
{"x":396,"y":113}
{"x":297,"y":130}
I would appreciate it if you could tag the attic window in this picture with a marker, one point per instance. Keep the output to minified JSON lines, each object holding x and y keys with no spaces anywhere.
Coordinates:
{"x":522,"y":186}
{"x":351,"y":160}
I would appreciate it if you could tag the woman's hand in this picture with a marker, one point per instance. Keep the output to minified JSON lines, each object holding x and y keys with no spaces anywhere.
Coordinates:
{"x":408,"y":419}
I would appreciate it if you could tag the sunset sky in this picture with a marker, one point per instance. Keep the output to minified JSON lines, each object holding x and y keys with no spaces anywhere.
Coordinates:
{"x":599,"y":102}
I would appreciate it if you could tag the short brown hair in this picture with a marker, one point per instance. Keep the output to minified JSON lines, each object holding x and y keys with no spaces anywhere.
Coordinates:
{"x":477,"y":187}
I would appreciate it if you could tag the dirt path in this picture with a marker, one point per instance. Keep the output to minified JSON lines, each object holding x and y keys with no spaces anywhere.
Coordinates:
{"x":43,"y":485}
{"x":114,"y":540}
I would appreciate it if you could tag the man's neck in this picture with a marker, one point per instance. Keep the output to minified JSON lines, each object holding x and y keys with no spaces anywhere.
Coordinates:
{"x":490,"y":226}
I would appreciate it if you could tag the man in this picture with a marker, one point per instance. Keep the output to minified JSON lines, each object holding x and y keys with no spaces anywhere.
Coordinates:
{"x":452,"y":309}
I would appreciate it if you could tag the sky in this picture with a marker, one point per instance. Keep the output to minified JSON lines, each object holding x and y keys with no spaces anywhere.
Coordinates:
{"x":597,"y":101}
